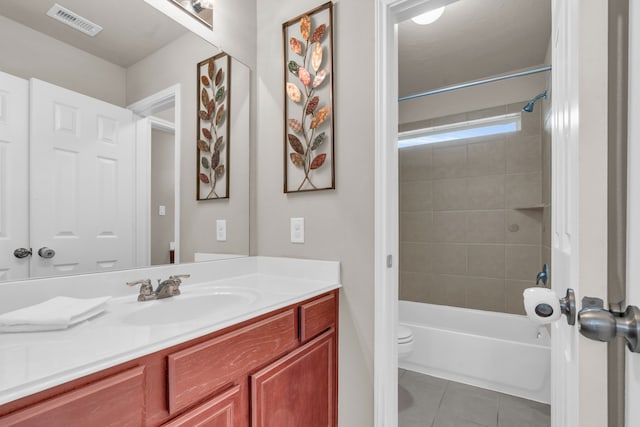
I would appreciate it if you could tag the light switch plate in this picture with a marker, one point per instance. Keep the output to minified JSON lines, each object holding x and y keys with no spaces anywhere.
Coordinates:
{"x":162,"y":210}
{"x":297,"y":230}
{"x":221,"y":230}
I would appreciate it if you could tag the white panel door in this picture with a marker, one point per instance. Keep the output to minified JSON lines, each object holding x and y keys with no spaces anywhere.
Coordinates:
{"x":14,"y":176}
{"x":579,"y":224}
{"x":632,"y":416}
{"x":81,"y":182}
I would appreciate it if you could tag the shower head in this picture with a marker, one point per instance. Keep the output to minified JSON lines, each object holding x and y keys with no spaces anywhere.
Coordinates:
{"x":529,"y":107}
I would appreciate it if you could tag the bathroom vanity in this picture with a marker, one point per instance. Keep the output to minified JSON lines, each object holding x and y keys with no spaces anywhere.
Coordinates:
{"x":266,"y":355}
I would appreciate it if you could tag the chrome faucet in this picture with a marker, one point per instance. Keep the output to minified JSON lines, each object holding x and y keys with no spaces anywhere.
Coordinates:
{"x":166,"y":288}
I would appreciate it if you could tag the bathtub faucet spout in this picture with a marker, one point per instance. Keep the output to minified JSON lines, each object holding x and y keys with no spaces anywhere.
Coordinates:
{"x":543,"y":276}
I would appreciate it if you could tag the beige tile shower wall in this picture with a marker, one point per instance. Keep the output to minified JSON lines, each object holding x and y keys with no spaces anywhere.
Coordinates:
{"x":471,"y":222}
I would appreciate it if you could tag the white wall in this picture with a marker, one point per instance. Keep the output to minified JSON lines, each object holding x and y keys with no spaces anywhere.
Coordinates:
{"x":176,"y":64}
{"x":339,"y":224}
{"x":27,"y":53}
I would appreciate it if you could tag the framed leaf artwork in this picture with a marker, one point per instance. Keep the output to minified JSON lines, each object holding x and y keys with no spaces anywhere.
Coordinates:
{"x":213,"y":141}
{"x":308,"y":101}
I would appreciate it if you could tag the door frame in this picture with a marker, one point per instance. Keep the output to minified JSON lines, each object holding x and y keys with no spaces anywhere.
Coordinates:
{"x":144,"y":110}
{"x":154,"y":123}
{"x":590,"y":236}
{"x":385,"y":371}
{"x":632,"y":360}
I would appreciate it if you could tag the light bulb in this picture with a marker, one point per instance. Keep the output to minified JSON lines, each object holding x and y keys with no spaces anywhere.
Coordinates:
{"x":428,"y":17}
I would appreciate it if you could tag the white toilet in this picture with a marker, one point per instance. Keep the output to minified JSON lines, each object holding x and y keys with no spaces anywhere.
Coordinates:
{"x":405,"y":341}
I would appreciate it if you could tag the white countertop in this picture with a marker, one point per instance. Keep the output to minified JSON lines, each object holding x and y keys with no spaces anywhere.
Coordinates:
{"x":35,"y":361}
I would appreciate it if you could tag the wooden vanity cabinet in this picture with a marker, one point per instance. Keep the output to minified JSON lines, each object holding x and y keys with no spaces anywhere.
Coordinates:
{"x":279,"y":369}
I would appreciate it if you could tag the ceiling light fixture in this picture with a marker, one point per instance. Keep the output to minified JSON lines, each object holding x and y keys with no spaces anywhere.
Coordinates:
{"x":428,"y":17}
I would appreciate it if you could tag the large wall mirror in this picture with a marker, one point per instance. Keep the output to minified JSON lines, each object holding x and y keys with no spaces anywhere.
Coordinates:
{"x":98,"y":141}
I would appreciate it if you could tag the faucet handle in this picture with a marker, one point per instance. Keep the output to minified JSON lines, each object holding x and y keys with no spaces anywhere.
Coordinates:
{"x":139,"y":282}
{"x":178,"y":278}
{"x":146,"y":290}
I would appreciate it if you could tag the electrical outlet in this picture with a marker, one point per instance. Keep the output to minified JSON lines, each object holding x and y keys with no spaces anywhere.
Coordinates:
{"x":221,"y":230}
{"x":162,"y":210}
{"x":297,"y":230}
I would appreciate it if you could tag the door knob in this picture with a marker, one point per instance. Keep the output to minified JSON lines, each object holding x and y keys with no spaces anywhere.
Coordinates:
{"x":22,"y":253}
{"x":46,"y":253}
{"x":599,"y":324}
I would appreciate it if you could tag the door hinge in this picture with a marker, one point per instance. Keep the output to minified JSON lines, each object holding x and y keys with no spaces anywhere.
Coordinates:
{"x":389,"y":261}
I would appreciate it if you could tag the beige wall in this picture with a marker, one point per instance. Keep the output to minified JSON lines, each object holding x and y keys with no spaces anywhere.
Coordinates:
{"x":27,"y":53}
{"x":177,"y":62}
{"x":339,"y":225}
{"x":162,"y":193}
{"x":471,"y":217}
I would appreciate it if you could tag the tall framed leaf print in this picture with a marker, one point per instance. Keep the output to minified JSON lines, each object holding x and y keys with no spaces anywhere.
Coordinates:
{"x":213,"y":142}
{"x":308,"y":101}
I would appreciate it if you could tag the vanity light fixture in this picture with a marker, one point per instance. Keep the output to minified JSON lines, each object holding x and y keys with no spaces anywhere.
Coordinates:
{"x":197,"y":6}
{"x":429,"y":17}
{"x":202,"y":10}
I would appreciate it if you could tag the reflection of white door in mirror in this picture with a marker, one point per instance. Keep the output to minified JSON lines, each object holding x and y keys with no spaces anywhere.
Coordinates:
{"x":82,"y":150}
{"x":14,"y":170}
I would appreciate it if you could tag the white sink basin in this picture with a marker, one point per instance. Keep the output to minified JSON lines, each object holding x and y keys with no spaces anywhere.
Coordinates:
{"x":184,"y":308}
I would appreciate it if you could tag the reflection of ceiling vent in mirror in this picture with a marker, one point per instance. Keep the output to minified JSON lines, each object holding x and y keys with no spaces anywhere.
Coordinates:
{"x":74,"y":20}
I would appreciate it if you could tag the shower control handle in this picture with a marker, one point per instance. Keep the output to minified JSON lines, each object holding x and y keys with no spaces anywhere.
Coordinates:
{"x":599,"y":324}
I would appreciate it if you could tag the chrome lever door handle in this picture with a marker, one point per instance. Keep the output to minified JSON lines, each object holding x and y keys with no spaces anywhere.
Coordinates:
{"x":22,"y":253}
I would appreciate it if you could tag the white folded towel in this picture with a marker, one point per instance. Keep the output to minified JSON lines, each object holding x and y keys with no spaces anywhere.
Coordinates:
{"x":54,"y":314}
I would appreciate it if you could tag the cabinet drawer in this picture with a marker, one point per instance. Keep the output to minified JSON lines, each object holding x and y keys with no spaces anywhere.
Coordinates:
{"x":221,"y":411}
{"x":116,"y":401}
{"x":317,"y":316}
{"x":196,"y":372}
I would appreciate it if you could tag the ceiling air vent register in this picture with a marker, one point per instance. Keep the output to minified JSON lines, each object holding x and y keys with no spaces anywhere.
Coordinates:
{"x":74,"y":20}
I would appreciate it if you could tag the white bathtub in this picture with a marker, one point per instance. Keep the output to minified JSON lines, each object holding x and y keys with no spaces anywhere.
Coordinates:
{"x":497,"y":351}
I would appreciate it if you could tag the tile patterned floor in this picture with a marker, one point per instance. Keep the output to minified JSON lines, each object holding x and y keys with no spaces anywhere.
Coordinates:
{"x":425,"y":401}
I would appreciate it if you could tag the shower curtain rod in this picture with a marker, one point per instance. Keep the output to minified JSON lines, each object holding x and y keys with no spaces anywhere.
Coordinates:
{"x":478,"y":82}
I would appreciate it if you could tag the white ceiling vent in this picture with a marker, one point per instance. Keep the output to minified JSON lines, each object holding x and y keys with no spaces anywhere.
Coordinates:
{"x":74,"y":20}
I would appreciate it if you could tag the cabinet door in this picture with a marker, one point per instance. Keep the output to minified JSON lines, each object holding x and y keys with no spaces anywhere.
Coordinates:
{"x":299,"y":389}
{"x":224,"y":410}
{"x":116,"y":401}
